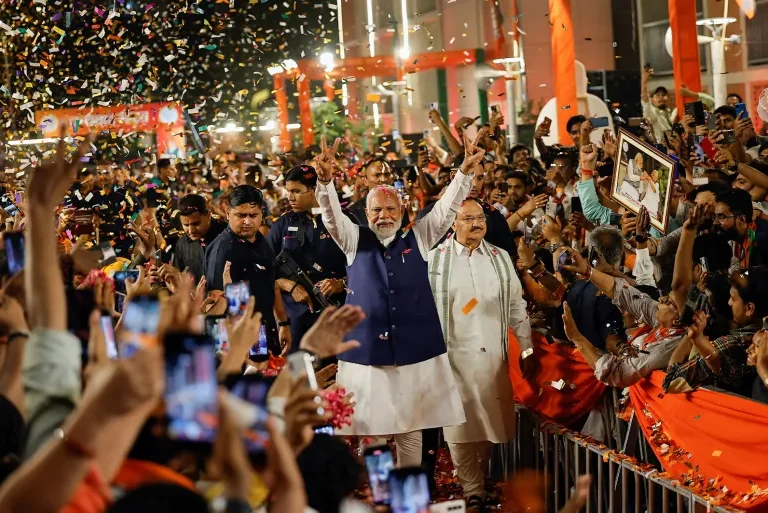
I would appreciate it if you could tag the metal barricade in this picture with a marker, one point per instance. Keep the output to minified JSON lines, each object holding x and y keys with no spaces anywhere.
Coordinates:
{"x":620,"y":484}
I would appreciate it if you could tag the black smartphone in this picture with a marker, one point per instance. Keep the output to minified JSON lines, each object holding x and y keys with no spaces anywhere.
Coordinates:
{"x":11,"y":209}
{"x":14,"y":251}
{"x":121,"y":276}
{"x":615,"y":219}
{"x":108,"y":329}
{"x":409,"y":490}
{"x":576,"y":205}
{"x":379,"y":463}
{"x":692,"y":305}
{"x":253,"y":389}
{"x":260,"y":350}
{"x":494,"y":109}
{"x":191,"y":407}
{"x":217,"y":330}
{"x":696,"y":110}
{"x":594,"y":258}
{"x":601,"y":122}
{"x":140,"y":320}
{"x":238,"y":295}
{"x":729,"y":138}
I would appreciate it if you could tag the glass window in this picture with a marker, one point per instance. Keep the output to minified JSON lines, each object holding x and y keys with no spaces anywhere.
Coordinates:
{"x":757,"y":35}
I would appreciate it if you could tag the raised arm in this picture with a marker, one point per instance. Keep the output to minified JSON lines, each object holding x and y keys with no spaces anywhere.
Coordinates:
{"x":682,"y":278}
{"x":44,"y":283}
{"x":344,"y":232}
{"x":430,"y":228}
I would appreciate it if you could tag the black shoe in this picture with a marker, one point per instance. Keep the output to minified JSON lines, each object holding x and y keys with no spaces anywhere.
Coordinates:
{"x":475,"y":504}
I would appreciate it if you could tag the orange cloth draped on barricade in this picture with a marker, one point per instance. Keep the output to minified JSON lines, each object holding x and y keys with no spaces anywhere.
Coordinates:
{"x":580,"y":390}
{"x":706,"y":435}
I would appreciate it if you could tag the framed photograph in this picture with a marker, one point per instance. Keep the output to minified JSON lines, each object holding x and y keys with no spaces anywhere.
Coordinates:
{"x":643,"y":176}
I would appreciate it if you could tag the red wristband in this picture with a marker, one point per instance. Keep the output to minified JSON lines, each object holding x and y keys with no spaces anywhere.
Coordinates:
{"x":587,"y":172}
{"x":72,"y":445}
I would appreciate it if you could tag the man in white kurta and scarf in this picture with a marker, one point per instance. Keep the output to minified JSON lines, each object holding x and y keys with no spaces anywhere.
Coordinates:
{"x":400,"y":373}
{"x":478,"y":297}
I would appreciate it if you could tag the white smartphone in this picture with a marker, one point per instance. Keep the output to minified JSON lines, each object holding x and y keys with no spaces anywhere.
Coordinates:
{"x":301,"y":361}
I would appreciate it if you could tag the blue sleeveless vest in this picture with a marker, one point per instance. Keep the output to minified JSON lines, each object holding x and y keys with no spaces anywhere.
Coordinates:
{"x":391,"y":285}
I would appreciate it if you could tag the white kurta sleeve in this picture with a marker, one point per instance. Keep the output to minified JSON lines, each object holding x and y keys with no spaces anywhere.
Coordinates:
{"x":430,"y":228}
{"x":518,"y":316}
{"x":345,"y":233}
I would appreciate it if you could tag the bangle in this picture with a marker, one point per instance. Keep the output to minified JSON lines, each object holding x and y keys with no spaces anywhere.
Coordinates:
{"x":17,"y":334}
{"x":588,"y":274}
{"x":73,"y":446}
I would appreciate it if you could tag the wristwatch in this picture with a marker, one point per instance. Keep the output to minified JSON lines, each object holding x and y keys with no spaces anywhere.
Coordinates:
{"x":641,"y":238}
{"x":286,"y":322}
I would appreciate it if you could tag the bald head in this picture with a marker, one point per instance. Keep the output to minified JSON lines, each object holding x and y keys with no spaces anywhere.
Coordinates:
{"x":383,"y":209}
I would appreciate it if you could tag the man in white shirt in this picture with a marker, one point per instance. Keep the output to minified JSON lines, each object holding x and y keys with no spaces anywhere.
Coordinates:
{"x":655,"y":107}
{"x":479,"y":298}
{"x":400,"y":373}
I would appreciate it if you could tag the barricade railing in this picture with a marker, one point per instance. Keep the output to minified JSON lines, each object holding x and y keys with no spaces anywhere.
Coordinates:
{"x":621,"y":484}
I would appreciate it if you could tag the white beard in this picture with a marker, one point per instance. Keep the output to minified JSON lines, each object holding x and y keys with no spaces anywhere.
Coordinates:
{"x":383,"y":233}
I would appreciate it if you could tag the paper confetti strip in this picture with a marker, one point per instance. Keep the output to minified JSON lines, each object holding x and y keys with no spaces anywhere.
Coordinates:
{"x":469,"y":306}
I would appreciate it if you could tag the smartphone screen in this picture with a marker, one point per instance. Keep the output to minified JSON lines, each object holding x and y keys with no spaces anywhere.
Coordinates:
{"x":741,"y":108}
{"x":260,"y":350}
{"x":378,"y":462}
{"x":11,"y":209}
{"x":140,"y":321}
{"x":190,"y":388}
{"x":408,"y":490}
{"x":109,"y":336}
{"x":121,"y":276}
{"x":253,"y":391}
{"x":615,"y":219}
{"x":576,"y":204}
{"x":238,"y":295}
{"x":14,"y":251}
{"x":217,"y":330}
{"x":19,"y":196}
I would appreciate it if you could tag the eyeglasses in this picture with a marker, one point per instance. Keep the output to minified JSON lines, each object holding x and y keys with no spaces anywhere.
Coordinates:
{"x":471,"y":219}
{"x":722,"y":217}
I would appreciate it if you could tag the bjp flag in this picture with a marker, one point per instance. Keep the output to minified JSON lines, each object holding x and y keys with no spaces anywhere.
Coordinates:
{"x":748,"y":6}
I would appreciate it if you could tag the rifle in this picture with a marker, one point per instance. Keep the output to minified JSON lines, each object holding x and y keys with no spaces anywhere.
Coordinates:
{"x":291,"y":270}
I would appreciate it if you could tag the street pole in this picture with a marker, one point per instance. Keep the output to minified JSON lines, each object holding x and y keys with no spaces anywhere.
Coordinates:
{"x":511,"y":106}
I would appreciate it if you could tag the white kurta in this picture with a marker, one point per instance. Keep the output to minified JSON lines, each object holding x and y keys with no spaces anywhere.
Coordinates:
{"x":398,"y":399}
{"x":474,"y":351}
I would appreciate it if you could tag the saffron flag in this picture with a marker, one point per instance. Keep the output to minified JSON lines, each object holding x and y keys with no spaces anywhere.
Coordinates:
{"x":748,"y":6}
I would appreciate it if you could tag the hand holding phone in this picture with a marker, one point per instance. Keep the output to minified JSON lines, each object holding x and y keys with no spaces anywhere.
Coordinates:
{"x":299,"y":362}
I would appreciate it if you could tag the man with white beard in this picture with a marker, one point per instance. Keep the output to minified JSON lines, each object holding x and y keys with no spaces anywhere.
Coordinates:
{"x":400,"y":373}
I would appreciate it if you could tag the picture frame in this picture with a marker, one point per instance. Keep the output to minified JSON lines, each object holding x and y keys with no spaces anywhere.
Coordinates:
{"x":643,"y":176}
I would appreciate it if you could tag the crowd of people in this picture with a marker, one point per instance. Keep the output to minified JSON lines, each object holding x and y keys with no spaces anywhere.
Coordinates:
{"x":247,"y":334}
